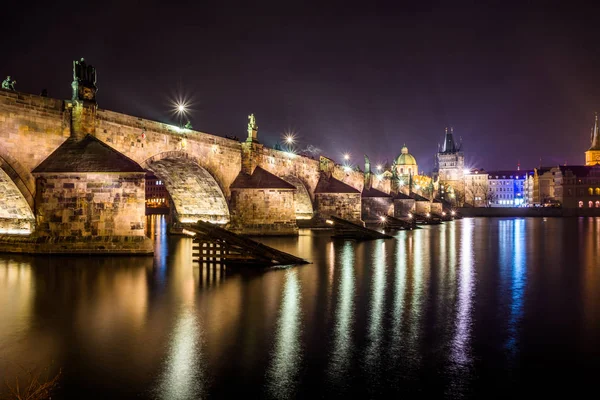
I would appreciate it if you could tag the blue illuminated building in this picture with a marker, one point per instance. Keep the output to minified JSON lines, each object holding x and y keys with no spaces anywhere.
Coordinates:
{"x":506,"y":188}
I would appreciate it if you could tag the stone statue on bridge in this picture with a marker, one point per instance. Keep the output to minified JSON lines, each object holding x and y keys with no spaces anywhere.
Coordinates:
{"x":252,"y":129}
{"x":252,"y":123}
{"x":84,"y":81}
{"x":367,"y":164}
{"x":8,"y":83}
{"x":83,"y":72}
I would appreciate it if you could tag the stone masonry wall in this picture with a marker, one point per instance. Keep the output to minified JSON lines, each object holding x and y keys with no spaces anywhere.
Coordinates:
{"x":106,"y":204}
{"x":143,"y":140}
{"x":374,"y":207}
{"x":343,"y":205}
{"x":402,"y":207}
{"x":31,"y":127}
{"x":436,"y":208}
{"x":422,"y":207}
{"x":263,"y":212}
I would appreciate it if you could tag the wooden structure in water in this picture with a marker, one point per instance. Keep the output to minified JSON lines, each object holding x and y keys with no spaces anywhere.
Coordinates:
{"x":349,"y":230}
{"x":215,"y":245}
{"x":427,"y":219}
{"x":397,"y":223}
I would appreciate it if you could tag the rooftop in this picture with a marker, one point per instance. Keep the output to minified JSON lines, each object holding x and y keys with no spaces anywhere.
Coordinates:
{"x":260,"y":179}
{"x":87,"y":155}
{"x":332,"y":185}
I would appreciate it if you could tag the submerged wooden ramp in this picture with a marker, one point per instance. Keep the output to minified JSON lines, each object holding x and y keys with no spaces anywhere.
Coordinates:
{"x":215,"y":245}
{"x":397,"y":223}
{"x":349,"y":230}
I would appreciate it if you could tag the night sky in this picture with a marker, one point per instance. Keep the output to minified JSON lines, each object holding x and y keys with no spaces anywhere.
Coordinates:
{"x":516,"y":84}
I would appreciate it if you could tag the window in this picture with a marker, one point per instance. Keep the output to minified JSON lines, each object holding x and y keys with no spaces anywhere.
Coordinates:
{"x":581,"y":204}
{"x":590,"y":191}
{"x":590,"y":204}
{"x":597,"y":204}
{"x":597,"y":191}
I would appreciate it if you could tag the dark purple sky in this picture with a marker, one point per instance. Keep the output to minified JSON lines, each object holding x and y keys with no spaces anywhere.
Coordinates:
{"x":517,"y":84}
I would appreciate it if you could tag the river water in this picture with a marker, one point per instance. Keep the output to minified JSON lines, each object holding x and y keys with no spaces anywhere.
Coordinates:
{"x":471,"y":308}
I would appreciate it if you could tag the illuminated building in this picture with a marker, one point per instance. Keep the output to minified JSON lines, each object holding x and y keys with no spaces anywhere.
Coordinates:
{"x":506,"y":188}
{"x":449,"y":167}
{"x":157,"y":197}
{"x":477,"y":192}
{"x":406,"y":164}
{"x":592,"y":155}
{"x":578,"y":186}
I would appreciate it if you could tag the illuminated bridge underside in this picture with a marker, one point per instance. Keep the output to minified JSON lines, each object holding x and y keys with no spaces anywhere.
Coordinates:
{"x":304,"y":207}
{"x":195,"y":194}
{"x":16,"y":216}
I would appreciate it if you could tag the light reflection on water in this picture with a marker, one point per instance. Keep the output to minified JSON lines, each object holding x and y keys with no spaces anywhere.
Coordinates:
{"x":344,"y":316}
{"x":287,"y":357}
{"x":461,"y":351}
{"x":444,"y":311}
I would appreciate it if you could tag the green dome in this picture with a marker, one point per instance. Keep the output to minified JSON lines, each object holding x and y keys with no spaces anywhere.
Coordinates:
{"x":405,"y":158}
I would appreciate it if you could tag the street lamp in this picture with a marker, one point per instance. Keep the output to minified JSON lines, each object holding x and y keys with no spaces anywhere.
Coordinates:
{"x":181,"y":109}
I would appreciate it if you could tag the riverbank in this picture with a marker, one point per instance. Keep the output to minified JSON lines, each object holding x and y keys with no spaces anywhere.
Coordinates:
{"x":496,"y":212}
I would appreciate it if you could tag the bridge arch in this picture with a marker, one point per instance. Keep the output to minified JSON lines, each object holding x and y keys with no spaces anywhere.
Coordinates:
{"x":19,"y":175}
{"x":195,"y":193}
{"x":302,"y":200}
{"x":17,"y":193}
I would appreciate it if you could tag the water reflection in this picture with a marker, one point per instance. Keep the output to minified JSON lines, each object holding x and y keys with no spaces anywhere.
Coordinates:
{"x":135,"y":327}
{"x":460,"y":346}
{"x":344,"y":316}
{"x":519,"y":280}
{"x":286,"y":357}
{"x":399,"y":292}
{"x":183,"y":373}
{"x":373,"y":356}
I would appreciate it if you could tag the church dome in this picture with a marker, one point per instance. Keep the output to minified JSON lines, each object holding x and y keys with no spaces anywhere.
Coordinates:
{"x":405,"y":158}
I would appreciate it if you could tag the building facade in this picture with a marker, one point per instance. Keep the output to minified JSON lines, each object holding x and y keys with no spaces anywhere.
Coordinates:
{"x":578,"y":186}
{"x":449,"y":168}
{"x":157,"y":197}
{"x":507,"y":188}
{"x":476,"y":188}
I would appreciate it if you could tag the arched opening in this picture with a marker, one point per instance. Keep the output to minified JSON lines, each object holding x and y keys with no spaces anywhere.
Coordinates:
{"x":194,"y":192}
{"x":597,"y":191}
{"x":580,"y":204}
{"x":590,"y":204}
{"x":590,"y":191}
{"x":302,"y":200}
{"x":16,"y":215}
{"x":597,"y":204}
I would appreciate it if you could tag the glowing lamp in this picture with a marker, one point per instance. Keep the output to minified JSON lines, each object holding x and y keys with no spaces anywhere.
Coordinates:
{"x":409,"y":215}
{"x":346,"y":156}
{"x":330,"y":222}
{"x":443,"y":214}
{"x":383,"y":219}
{"x":453,"y":212}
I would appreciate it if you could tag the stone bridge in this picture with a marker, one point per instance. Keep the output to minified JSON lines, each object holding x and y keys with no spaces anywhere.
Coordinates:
{"x":252,"y":188}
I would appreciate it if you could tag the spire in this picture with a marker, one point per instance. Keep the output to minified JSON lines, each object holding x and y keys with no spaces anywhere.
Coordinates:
{"x":595,"y":139}
{"x":449,"y":145}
